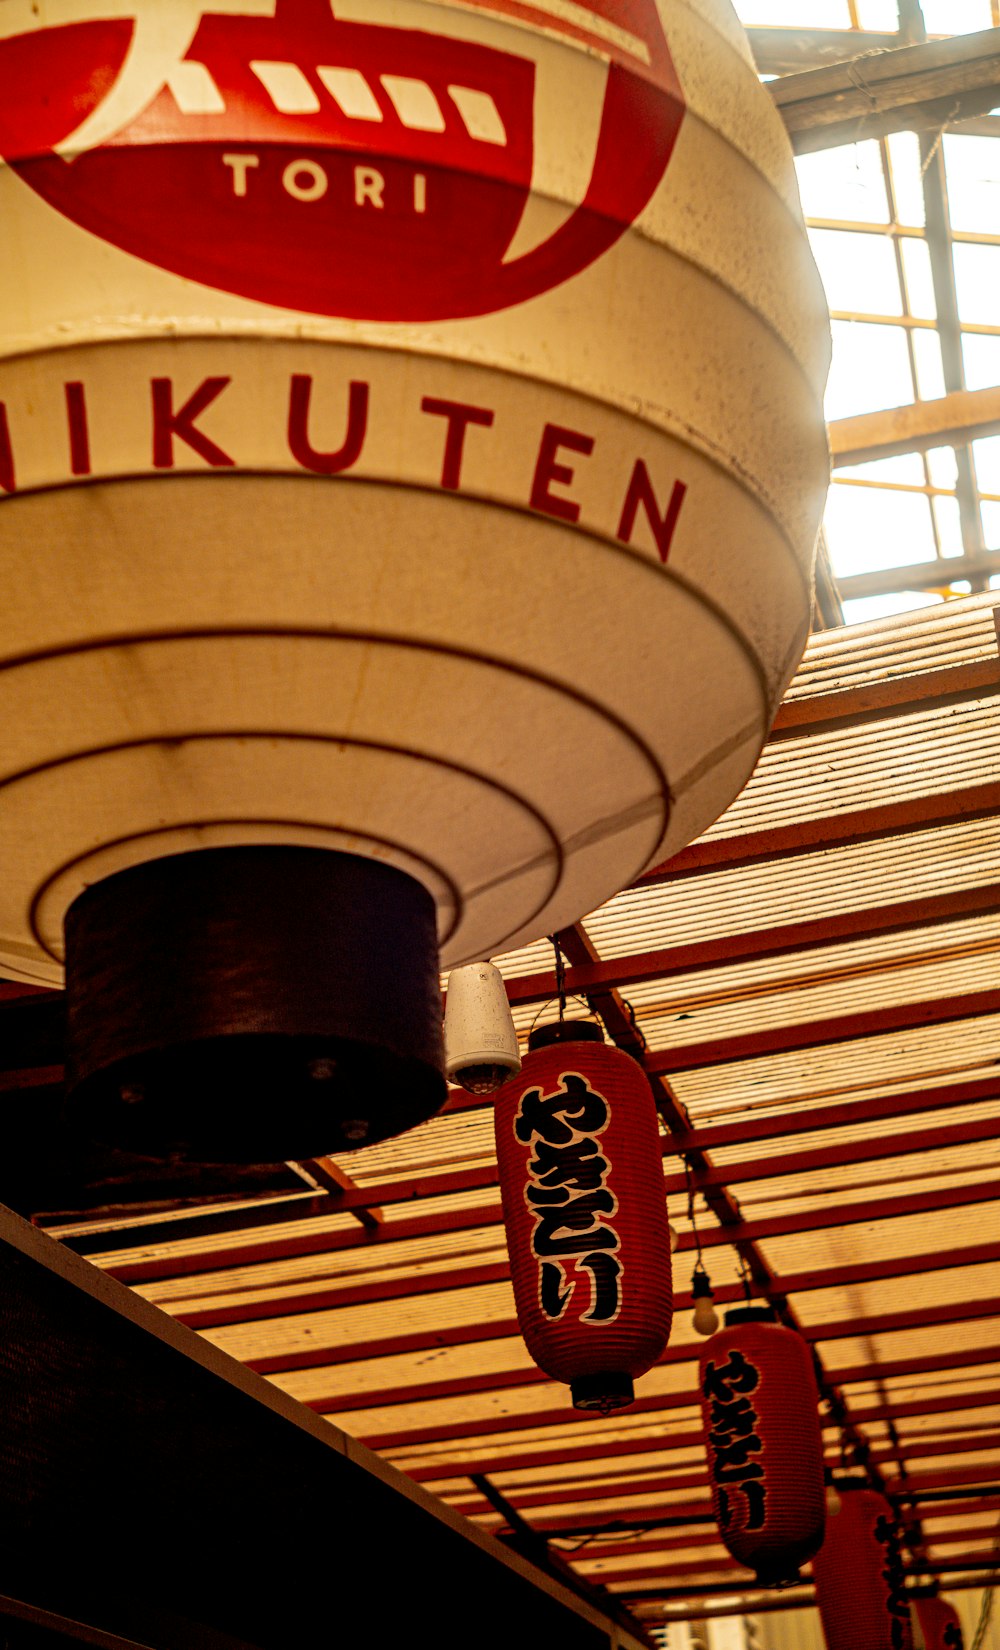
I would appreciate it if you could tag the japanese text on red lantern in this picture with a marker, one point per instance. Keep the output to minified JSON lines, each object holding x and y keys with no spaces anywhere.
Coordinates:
{"x":734,"y":1438}
{"x":568,"y":1195}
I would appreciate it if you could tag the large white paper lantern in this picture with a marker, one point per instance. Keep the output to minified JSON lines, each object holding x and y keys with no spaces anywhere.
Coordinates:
{"x":410,"y":444}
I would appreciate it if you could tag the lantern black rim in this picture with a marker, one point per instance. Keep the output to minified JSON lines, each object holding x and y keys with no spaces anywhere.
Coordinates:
{"x":750,"y":1314}
{"x":564,"y":1031}
{"x":779,"y":1578}
{"x":603,"y":1392}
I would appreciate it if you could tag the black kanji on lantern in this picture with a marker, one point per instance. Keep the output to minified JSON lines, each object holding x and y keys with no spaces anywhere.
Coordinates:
{"x":568,"y":1195}
{"x":733,"y":1436}
{"x":584,"y":1205}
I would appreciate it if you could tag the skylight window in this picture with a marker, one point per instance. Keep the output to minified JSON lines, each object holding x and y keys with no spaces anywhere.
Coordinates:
{"x":906,"y":233}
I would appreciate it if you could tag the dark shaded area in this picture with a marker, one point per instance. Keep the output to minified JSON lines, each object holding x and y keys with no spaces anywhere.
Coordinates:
{"x":49,"y":1166}
{"x":252,"y":1005}
{"x":171,"y":1497}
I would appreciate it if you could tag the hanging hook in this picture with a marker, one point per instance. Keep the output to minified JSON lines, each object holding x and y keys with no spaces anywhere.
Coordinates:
{"x":560,"y":977}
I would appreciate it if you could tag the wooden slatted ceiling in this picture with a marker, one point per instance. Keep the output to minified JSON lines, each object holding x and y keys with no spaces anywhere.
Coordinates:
{"x":842,"y":1079}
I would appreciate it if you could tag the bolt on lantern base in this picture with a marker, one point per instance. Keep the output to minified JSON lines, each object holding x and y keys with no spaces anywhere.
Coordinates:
{"x":252,"y":1005}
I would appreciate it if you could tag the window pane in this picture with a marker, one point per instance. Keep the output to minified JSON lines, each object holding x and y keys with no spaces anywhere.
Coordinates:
{"x":949,"y":526}
{"x":919,"y":280}
{"x":942,"y":466}
{"x":977,"y":279}
{"x":871,"y":369}
{"x":930,"y":370}
{"x":846,"y":182}
{"x":956,"y":16}
{"x":990,"y":512}
{"x":987,"y":456}
{"x":879,"y":14}
{"x":973,"y":165}
{"x":868,"y":529}
{"x":795,"y":14}
{"x":907,"y":180}
{"x":881,"y":607}
{"x":906,"y":468}
{"x":981,"y":355}
{"x":858,"y":271}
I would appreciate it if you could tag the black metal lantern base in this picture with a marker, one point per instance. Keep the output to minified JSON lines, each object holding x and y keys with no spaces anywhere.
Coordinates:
{"x":780,"y":1576}
{"x":252,"y":1005}
{"x":603,"y":1392}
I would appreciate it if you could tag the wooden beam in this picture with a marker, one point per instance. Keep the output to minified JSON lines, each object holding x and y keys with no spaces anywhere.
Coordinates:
{"x":912,"y":814}
{"x":928,"y":575}
{"x":841,"y":1028}
{"x":343,"y":1293}
{"x":369,"y":1394}
{"x":494,"y":1424}
{"x":691,"y":1476}
{"x":787,"y":939}
{"x":154,"y":1264}
{"x":790,"y":51}
{"x":947,"y":421}
{"x":886,"y":696}
{"x":910,"y":88}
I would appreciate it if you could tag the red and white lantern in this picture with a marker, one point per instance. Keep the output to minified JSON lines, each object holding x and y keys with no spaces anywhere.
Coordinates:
{"x":764,"y":1445}
{"x":377,"y":380}
{"x":581,"y":1175}
{"x":860,"y":1586}
{"x":939,"y":1624}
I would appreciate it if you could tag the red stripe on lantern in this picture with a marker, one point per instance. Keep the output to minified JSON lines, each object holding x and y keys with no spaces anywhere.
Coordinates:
{"x":860,"y":1587}
{"x":760,"y":1412}
{"x":940,"y":1624}
{"x":584,"y":1204}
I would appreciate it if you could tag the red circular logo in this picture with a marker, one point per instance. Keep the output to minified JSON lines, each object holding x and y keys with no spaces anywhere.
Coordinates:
{"x":342,"y":165}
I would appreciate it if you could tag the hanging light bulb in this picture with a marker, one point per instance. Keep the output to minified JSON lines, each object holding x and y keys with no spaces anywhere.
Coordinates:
{"x":705,"y":1319}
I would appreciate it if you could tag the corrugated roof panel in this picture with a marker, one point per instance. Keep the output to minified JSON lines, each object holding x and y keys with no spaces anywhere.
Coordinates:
{"x":960,"y":632}
{"x":910,"y":1234}
{"x":826,"y":772}
{"x":741,"y":898}
{"x":950,"y":960}
{"x":891,"y":1061}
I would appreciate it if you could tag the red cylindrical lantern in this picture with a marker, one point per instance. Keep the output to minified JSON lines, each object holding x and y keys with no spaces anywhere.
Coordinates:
{"x":939,"y":1624}
{"x":760,"y":1409}
{"x":860,"y":1585}
{"x":584,"y":1204}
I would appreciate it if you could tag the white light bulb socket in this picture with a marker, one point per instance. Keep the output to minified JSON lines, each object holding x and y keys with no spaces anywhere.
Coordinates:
{"x":480,"y":1043}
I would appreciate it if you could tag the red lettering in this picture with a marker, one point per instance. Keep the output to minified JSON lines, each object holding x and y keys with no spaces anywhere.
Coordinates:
{"x":459,"y":415}
{"x":301,"y":448}
{"x":7,"y":481}
{"x":547,"y":470}
{"x":168,"y":424}
{"x":640,"y":491}
{"x":79,"y":435}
